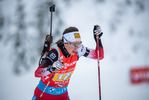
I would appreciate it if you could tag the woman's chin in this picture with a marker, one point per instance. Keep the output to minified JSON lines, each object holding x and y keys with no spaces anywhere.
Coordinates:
{"x":72,"y":53}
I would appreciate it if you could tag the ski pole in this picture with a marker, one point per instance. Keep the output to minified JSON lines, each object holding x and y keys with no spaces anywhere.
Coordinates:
{"x":46,"y":85}
{"x":98,"y":62}
{"x":49,"y":41}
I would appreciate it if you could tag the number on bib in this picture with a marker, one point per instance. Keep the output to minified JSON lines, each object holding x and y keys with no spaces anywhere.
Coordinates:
{"x":62,"y":77}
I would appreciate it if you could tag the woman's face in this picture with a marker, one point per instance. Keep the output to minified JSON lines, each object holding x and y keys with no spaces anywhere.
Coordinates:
{"x":72,"y":47}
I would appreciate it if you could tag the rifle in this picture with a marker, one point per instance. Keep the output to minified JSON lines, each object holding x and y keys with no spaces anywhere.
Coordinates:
{"x":49,"y":38}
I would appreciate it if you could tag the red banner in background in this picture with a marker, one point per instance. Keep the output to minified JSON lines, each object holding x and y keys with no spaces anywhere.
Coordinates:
{"x":139,"y":75}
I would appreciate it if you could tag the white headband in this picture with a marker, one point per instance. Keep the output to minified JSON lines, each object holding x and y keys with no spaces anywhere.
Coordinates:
{"x":72,"y":37}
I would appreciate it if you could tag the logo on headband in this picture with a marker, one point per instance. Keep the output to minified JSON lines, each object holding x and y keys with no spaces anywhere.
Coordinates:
{"x":76,"y":35}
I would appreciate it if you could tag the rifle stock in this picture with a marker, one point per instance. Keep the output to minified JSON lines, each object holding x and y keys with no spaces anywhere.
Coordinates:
{"x":50,"y":38}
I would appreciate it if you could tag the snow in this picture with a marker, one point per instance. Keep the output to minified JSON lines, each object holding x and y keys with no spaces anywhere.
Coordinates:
{"x":126,"y":46}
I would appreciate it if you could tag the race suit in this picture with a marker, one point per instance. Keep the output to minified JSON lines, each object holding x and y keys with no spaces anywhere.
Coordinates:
{"x":57,"y":88}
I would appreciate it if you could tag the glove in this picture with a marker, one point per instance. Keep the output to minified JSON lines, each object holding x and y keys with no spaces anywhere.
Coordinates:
{"x":97,"y":31}
{"x":56,"y":65}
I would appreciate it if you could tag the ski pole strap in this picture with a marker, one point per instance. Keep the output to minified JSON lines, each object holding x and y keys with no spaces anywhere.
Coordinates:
{"x":52,"y":90}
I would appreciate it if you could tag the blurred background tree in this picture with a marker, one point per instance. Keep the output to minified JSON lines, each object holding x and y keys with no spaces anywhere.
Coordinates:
{"x":26,"y":30}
